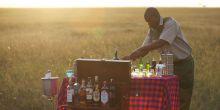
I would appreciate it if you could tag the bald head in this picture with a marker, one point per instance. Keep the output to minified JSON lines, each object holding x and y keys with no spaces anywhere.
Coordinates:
{"x":152,"y":17}
{"x":151,"y":12}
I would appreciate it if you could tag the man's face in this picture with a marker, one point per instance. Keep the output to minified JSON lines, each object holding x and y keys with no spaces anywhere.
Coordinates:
{"x":153,"y":21}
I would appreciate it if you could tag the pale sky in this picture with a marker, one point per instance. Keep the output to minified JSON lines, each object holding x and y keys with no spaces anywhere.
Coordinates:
{"x":107,"y":3}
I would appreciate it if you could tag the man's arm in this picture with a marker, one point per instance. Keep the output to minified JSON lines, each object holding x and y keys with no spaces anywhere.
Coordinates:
{"x":157,"y":44}
{"x":148,"y":39}
{"x":142,"y":51}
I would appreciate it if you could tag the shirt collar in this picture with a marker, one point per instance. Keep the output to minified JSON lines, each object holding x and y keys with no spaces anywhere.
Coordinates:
{"x":160,"y":23}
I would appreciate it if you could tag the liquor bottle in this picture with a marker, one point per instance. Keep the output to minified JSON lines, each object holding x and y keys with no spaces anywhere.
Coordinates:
{"x":70,"y":92}
{"x":144,"y":73}
{"x":76,"y":88}
{"x":104,"y":94}
{"x":69,"y":73}
{"x":96,"y":82}
{"x":135,"y":74}
{"x":159,"y":68}
{"x":116,"y":55}
{"x":89,"y":91}
{"x":160,"y":61}
{"x":147,"y":68}
{"x":112,"y":93}
{"x":153,"y":63}
{"x":140,"y":67}
{"x":153,"y":66}
{"x":82,"y":93}
{"x":96,"y":93}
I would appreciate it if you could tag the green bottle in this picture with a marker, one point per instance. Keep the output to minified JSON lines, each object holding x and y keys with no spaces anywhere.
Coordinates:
{"x":116,"y":55}
{"x":147,"y":66}
{"x":141,"y":65}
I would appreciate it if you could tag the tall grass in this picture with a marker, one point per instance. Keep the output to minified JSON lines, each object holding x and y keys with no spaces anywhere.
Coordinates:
{"x":34,"y":40}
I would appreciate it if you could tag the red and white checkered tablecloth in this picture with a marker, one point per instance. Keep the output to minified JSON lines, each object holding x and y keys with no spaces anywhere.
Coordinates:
{"x":155,"y":93}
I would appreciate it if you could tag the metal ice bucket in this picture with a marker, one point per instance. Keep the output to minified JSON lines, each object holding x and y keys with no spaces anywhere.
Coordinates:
{"x":50,"y":86}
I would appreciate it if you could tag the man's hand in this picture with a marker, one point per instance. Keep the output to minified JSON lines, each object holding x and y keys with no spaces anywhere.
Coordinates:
{"x":132,"y":56}
{"x":139,"y":52}
{"x":142,"y":51}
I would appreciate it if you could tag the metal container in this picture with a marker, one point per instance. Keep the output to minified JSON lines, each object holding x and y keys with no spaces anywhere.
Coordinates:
{"x":50,"y":86}
{"x":167,"y":59}
{"x":169,"y":68}
{"x":164,"y":58}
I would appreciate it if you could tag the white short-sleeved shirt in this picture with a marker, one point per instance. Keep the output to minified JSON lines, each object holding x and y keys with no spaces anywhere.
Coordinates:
{"x":178,"y":45}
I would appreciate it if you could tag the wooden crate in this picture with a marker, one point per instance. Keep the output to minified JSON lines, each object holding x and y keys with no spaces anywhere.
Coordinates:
{"x":119,"y":70}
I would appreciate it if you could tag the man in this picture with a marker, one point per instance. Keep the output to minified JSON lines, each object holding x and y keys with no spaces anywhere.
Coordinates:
{"x":165,"y":34}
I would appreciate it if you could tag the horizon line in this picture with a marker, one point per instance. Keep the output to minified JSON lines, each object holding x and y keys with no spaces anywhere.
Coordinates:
{"x":109,"y":6}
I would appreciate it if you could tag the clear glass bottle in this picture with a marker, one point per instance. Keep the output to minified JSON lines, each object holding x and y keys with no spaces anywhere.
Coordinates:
{"x":136,"y":73}
{"x":159,"y":68}
{"x":104,"y":94}
{"x":144,"y":73}
{"x":70,"y":73}
{"x":96,"y":82}
{"x":96,"y":93}
{"x":76,"y":97}
{"x":96,"y":96}
{"x":89,"y":91}
{"x":70,"y":92}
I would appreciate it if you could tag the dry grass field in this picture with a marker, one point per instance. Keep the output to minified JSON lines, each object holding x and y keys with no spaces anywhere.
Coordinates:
{"x":34,"y":40}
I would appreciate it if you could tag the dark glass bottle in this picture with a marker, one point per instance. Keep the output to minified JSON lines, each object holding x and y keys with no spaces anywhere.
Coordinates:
{"x":116,"y":55}
{"x":153,"y":66}
{"x":82,"y":93}
{"x":112,"y":93}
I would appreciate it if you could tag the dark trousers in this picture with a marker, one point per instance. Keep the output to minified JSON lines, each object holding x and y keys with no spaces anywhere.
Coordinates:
{"x":185,"y":71}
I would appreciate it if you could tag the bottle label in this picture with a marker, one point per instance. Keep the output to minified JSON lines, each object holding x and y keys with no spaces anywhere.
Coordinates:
{"x":111,"y":95}
{"x":89,"y":97}
{"x":89,"y":92}
{"x":104,"y":97}
{"x":69,"y":95}
{"x":82,"y":95}
{"x":96,"y":96}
